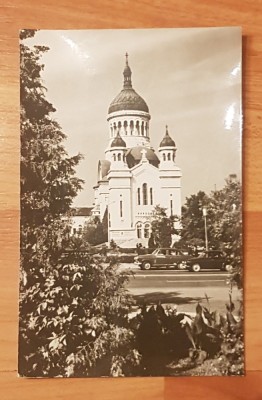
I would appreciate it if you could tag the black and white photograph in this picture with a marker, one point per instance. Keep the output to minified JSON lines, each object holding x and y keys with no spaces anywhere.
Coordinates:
{"x":131,"y":203}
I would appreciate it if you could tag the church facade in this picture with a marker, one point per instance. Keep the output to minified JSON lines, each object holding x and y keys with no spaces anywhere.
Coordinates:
{"x":132,"y":177}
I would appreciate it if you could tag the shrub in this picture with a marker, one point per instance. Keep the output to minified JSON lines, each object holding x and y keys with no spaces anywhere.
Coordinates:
{"x":74,"y":322}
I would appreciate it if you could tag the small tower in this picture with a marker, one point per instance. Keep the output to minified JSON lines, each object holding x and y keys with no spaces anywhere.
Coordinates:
{"x":170,"y":172}
{"x":167,"y":150}
{"x":119,"y":190}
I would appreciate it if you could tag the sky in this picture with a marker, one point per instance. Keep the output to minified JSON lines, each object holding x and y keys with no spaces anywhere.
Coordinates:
{"x":189,"y":78}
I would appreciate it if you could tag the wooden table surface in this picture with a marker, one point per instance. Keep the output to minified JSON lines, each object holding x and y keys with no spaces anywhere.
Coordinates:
{"x":69,"y":14}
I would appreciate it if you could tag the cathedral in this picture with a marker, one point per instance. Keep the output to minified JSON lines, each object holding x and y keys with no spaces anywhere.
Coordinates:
{"x":132,"y":177}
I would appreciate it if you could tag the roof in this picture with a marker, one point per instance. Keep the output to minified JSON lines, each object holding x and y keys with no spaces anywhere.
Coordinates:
{"x":118,"y":141}
{"x":103,"y":168}
{"x":167,"y":141}
{"x":128,"y":99}
{"x":134,"y":155}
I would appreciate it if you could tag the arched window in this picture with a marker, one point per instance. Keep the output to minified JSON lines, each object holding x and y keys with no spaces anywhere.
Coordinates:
{"x":169,"y":156}
{"x":173,"y":156}
{"x":171,"y":207}
{"x":119,"y":157}
{"x":138,"y":196}
{"x":139,"y":230}
{"x":114,"y":128}
{"x":131,"y":127}
{"x":164,"y":157}
{"x":119,"y":126}
{"x":114,"y":157}
{"x":151,"y":196}
{"x":137,"y":128}
{"x":144,"y":188}
{"x":147,"y":231}
{"x":125,"y":127}
{"x":142,"y":129}
{"x":146,"y":129}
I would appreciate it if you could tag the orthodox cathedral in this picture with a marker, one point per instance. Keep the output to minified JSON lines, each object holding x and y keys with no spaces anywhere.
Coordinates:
{"x":133,"y":178}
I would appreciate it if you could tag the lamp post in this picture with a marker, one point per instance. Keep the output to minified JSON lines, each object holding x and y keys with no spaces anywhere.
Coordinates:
{"x":205,"y":222}
{"x":108,"y":225}
{"x":109,"y":221}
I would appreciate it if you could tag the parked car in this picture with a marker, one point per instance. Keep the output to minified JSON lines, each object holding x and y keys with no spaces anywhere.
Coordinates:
{"x":162,"y":257}
{"x":212,"y":259}
{"x":120,"y":257}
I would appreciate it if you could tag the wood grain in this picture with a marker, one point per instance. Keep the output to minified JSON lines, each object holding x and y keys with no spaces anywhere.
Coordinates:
{"x":46,"y":14}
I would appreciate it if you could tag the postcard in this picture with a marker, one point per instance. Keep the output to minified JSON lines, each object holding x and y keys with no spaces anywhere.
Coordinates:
{"x":131,"y":204}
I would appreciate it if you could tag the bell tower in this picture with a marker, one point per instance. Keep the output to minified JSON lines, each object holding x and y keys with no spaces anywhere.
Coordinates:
{"x":170,"y":172}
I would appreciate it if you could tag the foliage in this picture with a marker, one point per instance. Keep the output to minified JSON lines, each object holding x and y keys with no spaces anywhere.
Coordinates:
{"x":224,"y":222}
{"x":113,"y":244}
{"x":151,"y":242}
{"x":48,"y":182}
{"x":95,"y":231}
{"x":76,"y":322}
{"x":73,"y":309}
{"x":160,"y":339}
{"x":192,"y":223}
{"x":163,"y":227}
{"x":185,"y":342}
{"x":232,"y":348}
{"x":227,"y":224}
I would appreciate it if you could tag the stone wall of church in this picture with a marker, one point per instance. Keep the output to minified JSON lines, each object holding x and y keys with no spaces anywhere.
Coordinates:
{"x":132,"y":197}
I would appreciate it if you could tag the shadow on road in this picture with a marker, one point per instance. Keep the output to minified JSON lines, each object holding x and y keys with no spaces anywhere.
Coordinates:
{"x":164,"y":298}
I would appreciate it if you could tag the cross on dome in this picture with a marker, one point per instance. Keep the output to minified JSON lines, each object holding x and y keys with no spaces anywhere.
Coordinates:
{"x":127,"y":75}
{"x":144,"y":158}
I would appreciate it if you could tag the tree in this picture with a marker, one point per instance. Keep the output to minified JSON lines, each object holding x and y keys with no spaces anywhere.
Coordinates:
{"x":73,"y":310}
{"x":48,"y":182}
{"x":226,"y":210}
{"x":224,"y":221}
{"x":192,"y":223}
{"x":162,"y":228}
{"x":151,"y":242}
{"x":96,"y":231}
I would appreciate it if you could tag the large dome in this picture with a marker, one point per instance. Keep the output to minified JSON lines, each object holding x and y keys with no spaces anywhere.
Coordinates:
{"x":128,"y":99}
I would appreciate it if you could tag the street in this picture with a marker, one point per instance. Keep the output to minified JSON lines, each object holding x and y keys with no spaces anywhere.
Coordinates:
{"x":181,"y":288}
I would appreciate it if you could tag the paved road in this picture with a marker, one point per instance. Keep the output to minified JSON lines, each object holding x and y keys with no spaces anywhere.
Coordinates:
{"x":183,"y":288}
{"x":165,"y":279}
